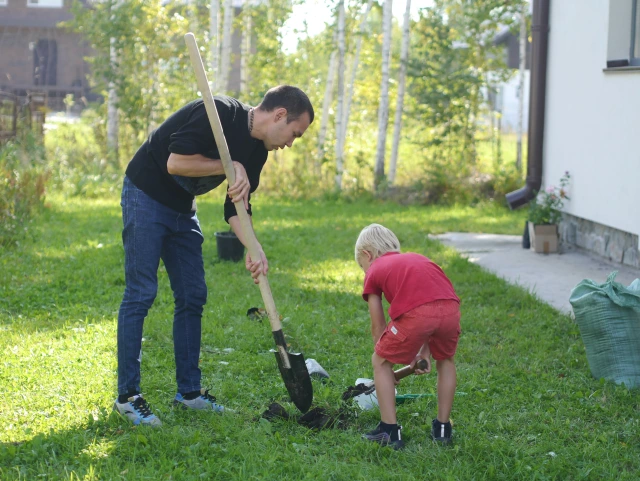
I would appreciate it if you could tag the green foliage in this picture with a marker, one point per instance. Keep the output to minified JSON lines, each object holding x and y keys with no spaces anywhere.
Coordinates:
{"x":452,"y":62}
{"x":546,"y":207}
{"x":23,"y":179}
{"x":77,"y":157}
{"x":267,"y":67}
{"x":151,"y":68}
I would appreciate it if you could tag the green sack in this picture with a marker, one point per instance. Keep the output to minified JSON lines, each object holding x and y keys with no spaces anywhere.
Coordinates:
{"x":608,"y":316}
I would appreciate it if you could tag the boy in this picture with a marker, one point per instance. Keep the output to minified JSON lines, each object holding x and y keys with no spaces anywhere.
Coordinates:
{"x":425,"y":321}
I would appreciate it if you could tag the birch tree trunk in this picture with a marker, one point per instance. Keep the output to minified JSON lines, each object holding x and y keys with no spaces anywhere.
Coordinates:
{"x":522,"y":67}
{"x":112,"y":108}
{"x":354,"y":70}
{"x":192,"y":12}
{"x":214,"y":13}
{"x":246,"y":48}
{"x":326,"y":104}
{"x":339,"y":111}
{"x":383,"y":109}
{"x":226,"y":46}
{"x":397,"y":124}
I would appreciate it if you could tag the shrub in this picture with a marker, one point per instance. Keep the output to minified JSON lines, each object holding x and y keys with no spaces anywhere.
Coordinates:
{"x":23,"y":180}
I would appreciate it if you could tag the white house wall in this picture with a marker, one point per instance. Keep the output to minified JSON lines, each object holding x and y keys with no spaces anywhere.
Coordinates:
{"x":592,"y":116}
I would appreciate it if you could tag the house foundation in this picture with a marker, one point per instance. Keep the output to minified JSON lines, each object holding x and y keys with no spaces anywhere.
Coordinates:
{"x":607,"y":242}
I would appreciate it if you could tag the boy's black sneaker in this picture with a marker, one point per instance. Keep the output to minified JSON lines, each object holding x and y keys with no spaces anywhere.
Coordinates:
{"x":441,"y":432}
{"x":384,"y":439}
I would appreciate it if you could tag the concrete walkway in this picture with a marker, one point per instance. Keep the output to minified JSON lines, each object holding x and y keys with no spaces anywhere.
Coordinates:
{"x":550,"y":277}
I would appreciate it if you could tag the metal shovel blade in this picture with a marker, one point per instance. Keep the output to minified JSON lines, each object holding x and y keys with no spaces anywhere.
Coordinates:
{"x":296,"y":379}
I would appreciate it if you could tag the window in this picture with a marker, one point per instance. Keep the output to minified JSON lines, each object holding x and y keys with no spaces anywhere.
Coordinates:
{"x":45,"y":62}
{"x":634,"y":57}
{"x":45,"y":3}
{"x":3,"y":3}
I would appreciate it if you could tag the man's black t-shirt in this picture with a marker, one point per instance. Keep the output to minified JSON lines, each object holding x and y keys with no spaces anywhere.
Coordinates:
{"x":188,"y":132}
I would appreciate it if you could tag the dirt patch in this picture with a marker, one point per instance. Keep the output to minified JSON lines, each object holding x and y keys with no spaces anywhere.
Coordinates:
{"x":316,"y":418}
{"x":353,"y":391}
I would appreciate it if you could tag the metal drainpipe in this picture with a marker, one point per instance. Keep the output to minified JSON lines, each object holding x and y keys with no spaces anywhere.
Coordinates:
{"x":537,"y":95}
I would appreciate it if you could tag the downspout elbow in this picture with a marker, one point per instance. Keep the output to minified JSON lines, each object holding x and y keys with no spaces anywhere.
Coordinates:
{"x":522,"y":196}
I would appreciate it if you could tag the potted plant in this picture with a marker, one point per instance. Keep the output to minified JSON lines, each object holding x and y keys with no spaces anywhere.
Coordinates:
{"x":229,"y":246}
{"x":544,"y":216}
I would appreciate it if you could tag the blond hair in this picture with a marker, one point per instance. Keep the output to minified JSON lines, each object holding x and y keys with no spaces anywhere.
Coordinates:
{"x":376,"y":239}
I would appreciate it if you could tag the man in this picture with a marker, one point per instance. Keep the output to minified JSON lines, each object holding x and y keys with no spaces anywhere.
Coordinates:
{"x":177,"y":162}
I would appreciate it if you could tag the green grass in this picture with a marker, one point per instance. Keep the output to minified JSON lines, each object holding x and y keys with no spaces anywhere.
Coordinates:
{"x":531,"y":409}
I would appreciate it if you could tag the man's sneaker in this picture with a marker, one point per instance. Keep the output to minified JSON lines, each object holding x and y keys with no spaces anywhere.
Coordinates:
{"x":137,"y":410}
{"x":441,"y":432}
{"x":205,"y":402}
{"x":384,"y":439}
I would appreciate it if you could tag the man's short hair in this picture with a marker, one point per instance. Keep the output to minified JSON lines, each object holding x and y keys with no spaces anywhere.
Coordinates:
{"x":291,"y":98}
{"x":376,"y":239}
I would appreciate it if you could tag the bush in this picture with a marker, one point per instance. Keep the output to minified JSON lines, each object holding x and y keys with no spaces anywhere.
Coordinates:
{"x":23,"y":180}
{"x":78,"y":160}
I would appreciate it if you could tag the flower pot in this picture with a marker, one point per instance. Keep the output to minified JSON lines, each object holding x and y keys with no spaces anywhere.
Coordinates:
{"x":229,"y":246}
{"x":543,"y":238}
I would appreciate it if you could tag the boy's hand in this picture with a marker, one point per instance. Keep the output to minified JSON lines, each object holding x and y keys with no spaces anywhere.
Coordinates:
{"x":427,"y":359}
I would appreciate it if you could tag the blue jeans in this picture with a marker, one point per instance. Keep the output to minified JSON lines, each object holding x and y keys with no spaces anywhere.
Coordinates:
{"x":153,"y":232}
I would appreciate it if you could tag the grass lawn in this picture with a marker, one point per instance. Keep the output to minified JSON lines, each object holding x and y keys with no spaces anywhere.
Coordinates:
{"x":530,"y":408}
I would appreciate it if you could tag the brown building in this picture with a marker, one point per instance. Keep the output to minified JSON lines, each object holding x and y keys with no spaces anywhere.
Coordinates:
{"x":36,"y":55}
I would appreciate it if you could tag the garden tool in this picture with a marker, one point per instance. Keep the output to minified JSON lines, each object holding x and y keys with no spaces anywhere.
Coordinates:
{"x":292,"y":365}
{"x":364,"y":392}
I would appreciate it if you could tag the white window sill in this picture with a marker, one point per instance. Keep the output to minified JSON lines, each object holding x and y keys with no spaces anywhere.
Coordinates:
{"x":629,"y":68}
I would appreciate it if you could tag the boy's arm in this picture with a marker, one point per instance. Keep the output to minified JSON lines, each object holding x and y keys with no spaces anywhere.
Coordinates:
{"x":378,"y":322}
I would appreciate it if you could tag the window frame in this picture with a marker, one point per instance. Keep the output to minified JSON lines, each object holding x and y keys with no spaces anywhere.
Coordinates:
{"x":37,"y":4}
{"x":635,"y":12}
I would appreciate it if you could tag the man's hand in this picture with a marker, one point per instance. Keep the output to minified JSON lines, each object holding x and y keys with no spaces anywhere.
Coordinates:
{"x":257,"y":266}
{"x":240,"y":189}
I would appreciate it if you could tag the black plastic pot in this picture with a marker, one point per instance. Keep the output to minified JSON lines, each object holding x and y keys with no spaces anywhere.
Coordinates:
{"x":526,"y":240}
{"x":229,"y":246}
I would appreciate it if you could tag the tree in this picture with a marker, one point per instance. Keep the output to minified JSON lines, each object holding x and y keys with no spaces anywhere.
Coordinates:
{"x":246,"y":48}
{"x":326,"y":105}
{"x":397,"y":124}
{"x":225,"y":67}
{"x":148,"y":77}
{"x":112,"y":106}
{"x":452,"y":61}
{"x":383,"y":109}
{"x":354,"y":71}
{"x":214,"y":46}
{"x":339,"y":112}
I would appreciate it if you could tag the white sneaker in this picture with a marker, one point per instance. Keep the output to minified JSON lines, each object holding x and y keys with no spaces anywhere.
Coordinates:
{"x":137,"y":410}
{"x":205,"y":402}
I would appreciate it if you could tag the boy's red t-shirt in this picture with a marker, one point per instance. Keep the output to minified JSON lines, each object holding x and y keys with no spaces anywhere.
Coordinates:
{"x":407,"y":281}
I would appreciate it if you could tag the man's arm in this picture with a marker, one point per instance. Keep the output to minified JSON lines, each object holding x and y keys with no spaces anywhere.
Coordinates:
{"x":378,"y":322}
{"x":193,"y":165}
{"x":198,"y":165}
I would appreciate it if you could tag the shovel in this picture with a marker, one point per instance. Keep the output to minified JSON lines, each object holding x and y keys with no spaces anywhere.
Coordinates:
{"x":292,"y":366}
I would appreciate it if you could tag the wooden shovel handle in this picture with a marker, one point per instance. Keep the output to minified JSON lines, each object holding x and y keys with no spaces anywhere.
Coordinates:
{"x":245,"y":222}
{"x":408,"y":370}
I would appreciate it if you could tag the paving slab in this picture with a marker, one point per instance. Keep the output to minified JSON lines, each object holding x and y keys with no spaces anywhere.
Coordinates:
{"x":551,"y":277}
